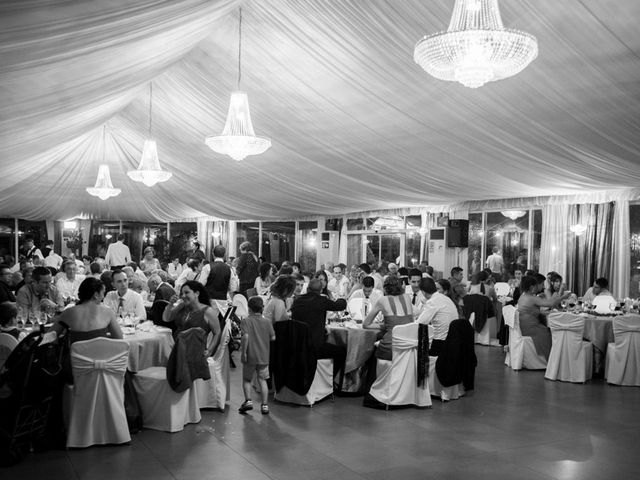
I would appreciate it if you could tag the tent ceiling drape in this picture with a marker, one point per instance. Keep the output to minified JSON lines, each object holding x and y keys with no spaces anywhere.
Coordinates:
{"x":355,"y":123}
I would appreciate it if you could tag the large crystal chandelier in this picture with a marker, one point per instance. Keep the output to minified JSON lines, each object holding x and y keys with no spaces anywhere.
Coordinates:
{"x":149,"y":171}
{"x":476,"y":48}
{"x":513,"y":214}
{"x":238,"y":139}
{"x":103,"y":188}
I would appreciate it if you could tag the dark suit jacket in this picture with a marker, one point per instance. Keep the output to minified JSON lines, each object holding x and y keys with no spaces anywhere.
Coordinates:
{"x":218,"y":280}
{"x":164,"y":292}
{"x":187,"y":361}
{"x":292,"y":360}
{"x":311,"y":308}
{"x":457,"y":359}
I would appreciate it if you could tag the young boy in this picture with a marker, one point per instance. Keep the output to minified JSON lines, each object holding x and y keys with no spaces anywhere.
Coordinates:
{"x":257,"y":333}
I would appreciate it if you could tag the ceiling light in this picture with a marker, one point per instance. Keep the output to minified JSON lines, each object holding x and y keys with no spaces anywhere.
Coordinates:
{"x":514,"y":214}
{"x":103,"y":188}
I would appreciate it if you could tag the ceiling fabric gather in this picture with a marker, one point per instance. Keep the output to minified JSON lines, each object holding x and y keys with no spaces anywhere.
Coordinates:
{"x":355,"y":124}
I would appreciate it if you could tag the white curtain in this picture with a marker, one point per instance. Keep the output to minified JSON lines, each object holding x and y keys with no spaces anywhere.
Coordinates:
{"x":343,"y":248}
{"x":621,"y":255}
{"x":555,"y":235}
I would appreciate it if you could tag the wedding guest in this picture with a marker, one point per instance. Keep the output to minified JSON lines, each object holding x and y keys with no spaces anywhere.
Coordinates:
{"x":247,"y":268}
{"x":149,"y":263}
{"x":6,"y":293}
{"x":265,"y":279}
{"x":175,"y":268}
{"x":257,"y":334}
{"x":40,"y":294}
{"x":600,"y":287}
{"x":324,"y":282}
{"x":8,"y":321}
{"x":281,"y":291}
{"x":189,"y":273}
{"x":439,"y":311}
{"x":339,"y":285}
{"x":123,"y":300}
{"x":69,"y":282}
{"x":118,"y":254}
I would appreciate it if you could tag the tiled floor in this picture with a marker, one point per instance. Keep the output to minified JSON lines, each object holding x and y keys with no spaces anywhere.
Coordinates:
{"x":515,"y":425}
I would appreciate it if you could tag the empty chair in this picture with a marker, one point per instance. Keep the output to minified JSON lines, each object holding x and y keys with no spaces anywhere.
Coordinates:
{"x":97,"y":414}
{"x":522,"y":352}
{"x":571,"y":358}
{"x":398,"y":384}
{"x":7,"y":344}
{"x":623,"y":356}
{"x":215,"y":392}
{"x":170,"y":406}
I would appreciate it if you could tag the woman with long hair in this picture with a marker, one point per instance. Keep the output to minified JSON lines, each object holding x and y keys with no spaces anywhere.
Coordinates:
{"x":322,"y":275}
{"x":276,"y":308}
{"x":265,"y":279}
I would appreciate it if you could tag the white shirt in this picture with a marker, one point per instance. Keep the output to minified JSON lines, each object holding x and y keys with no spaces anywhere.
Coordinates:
{"x":495,"y":263}
{"x":53,"y":260}
{"x":367,"y":303}
{"x":340,"y":289}
{"x":174,"y":271}
{"x":439,"y":311}
{"x":132,"y":303}
{"x":186,"y":275}
{"x":117,"y":254}
{"x":68,"y":288}
{"x":234,"y":283}
{"x":419,"y":302}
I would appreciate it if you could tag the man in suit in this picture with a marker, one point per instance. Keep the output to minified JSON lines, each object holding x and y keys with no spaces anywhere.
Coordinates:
{"x":217,"y":277}
{"x":161,"y":290}
{"x":311,"y":308}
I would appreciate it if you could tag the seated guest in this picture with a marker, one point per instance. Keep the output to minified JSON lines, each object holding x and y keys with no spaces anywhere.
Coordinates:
{"x":457,"y":276}
{"x":265,"y":279}
{"x":396,"y":310}
{"x":324,"y":282}
{"x":439,"y":310}
{"x":95,"y":270}
{"x":194,"y":310}
{"x":311,"y":308}
{"x":106,"y":277}
{"x":8,"y":320}
{"x":533,"y":323}
{"x":89,"y":318}
{"x":417,"y":296}
{"x":149,"y":263}
{"x":6,"y":293}
{"x":161,"y":290}
{"x":477,"y":303}
{"x":40,"y":294}
{"x":555,"y":286}
{"x":69,"y":282}
{"x":123,"y":300}
{"x":174,"y":268}
{"x":339,"y":285}
{"x":52,"y":259}
{"x":600,"y":287}
{"x":190,"y":272}
{"x":281,"y":291}
{"x":137,"y":286}
{"x":301,"y":283}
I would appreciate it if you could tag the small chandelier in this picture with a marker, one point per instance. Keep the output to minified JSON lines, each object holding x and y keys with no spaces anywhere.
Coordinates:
{"x":513,"y":214}
{"x":149,"y":171}
{"x":103,"y":188}
{"x":238,"y":140}
{"x":476,"y":48}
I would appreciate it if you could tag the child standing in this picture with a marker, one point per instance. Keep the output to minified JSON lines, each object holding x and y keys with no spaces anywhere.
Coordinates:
{"x":257,"y":333}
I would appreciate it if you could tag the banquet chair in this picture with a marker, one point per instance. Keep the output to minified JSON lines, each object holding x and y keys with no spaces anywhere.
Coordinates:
{"x":215,"y":392}
{"x":97,"y":415}
{"x":321,"y":387}
{"x":604,"y":304}
{"x":483,"y":337}
{"x":164,"y":408}
{"x":502,"y":289}
{"x":242,"y":307}
{"x":7,"y":344}
{"x":623,"y":356}
{"x":571,"y":358}
{"x":398,"y":384}
{"x":436,"y":389}
{"x":522,"y":352}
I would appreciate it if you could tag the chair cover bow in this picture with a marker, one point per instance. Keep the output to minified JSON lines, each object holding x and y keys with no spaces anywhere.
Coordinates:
{"x":83,"y":365}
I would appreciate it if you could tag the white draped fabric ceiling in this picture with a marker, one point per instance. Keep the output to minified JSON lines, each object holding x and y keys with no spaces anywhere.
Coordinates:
{"x":355,"y":123}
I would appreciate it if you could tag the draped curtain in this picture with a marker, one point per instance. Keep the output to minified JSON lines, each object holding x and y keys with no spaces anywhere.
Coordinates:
{"x":621,"y":255}
{"x":555,"y":246}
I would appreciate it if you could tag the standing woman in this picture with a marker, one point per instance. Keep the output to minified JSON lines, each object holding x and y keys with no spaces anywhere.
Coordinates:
{"x":247,"y":268}
{"x":194,"y":310}
{"x":396,"y":309}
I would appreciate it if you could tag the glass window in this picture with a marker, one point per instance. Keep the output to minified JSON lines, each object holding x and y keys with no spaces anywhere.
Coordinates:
{"x":102,"y":235}
{"x":277,"y":241}
{"x":511,"y":237}
{"x":476,"y":232}
{"x":248,"y":232}
{"x":385,"y":223}
{"x":182,"y":236}
{"x":307,"y":246}
{"x":354,"y":250}
{"x":355,"y":224}
{"x":634,"y":230}
{"x":412,"y":249}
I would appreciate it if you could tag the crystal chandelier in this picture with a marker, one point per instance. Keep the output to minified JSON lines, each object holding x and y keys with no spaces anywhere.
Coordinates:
{"x":513,"y":214}
{"x":103,"y":188}
{"x":149,"y":171}
{"x":238,"y":139}
{"x":476,"y":48}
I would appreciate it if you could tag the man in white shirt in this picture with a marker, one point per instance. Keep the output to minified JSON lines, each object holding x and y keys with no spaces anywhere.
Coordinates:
{"x":31,"y":252}
{"x":214,"y":276}
{"x":439,"y":311}
{"x":69,"y":283}
{"x":118,"y":254}
{"x":600,"y":287}
{"x":53,"y":259}
{"x":495,"y":263}
{"x":413,"y":289}
{"x":339,"y":284}
{"x":370,"y":297}
{"x":124,"y":301}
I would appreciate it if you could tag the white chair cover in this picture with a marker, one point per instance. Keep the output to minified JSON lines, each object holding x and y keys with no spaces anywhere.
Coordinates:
{"x":7,"y":344}
{"x":623,"y":356}
{"x":242,"y":307}
{"x":522,"y":352}
{"x":502,"y":289}
{"x":398,"y":384}
{"x":571,"y":358}
{"x":321,"y":387}
{"x":487,"y":335}
{"x":215,"y":392}
{"x":97,"y":415}
{"x":604,"y":304}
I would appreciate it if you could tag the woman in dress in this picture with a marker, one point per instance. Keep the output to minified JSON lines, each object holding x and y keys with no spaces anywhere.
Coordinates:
{"x":396,"y":309}
{"x":89,"y":318}
{"x":148,"y":263}
{"x":194,"y":310}
{"x":533,"y":323}
{"x":265,"y":279}
{"x":276,"y":308}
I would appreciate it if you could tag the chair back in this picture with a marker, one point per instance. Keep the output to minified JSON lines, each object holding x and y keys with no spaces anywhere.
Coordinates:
{"x":293,"y":360}
{"x":604,"y":304}
{"x":626,"y":329}
{"x":509,"y":315}
{"x":100,"y":356}
{"x":7,"y":344}
{"x":566,"y":322}
{"x":502,"y":289}
{"x":242,"y":307}
{"x":404,"y":337}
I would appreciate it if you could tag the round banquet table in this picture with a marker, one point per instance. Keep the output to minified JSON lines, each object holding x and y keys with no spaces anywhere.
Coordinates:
{"x":149,"y":349}
{"x":360,"y":344}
